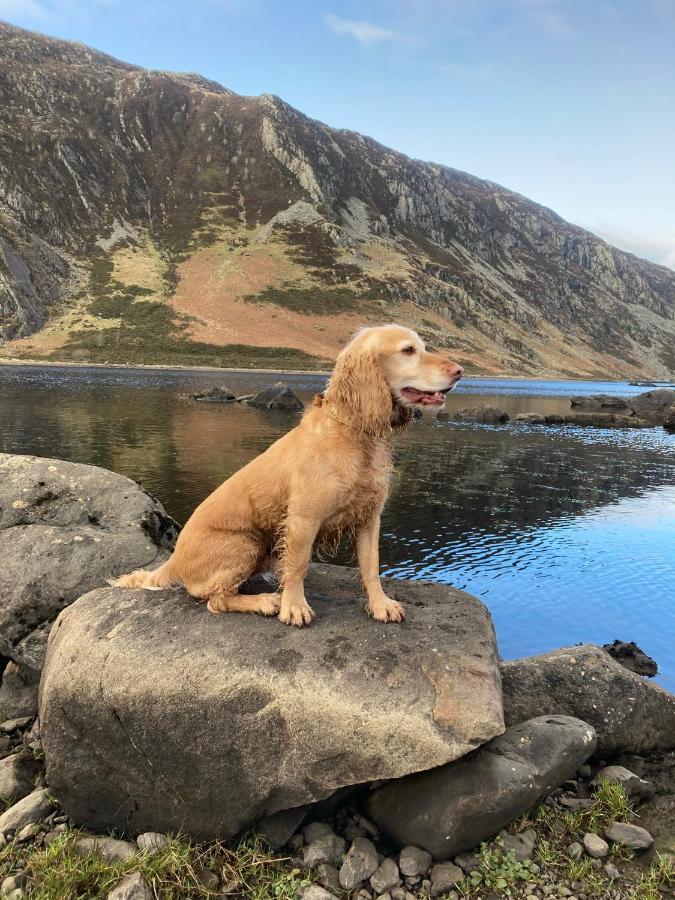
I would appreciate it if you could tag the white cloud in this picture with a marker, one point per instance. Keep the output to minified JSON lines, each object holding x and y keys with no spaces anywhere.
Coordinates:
{"x":659,"y":248}
{"x":23,"y":9}
{"x":365,"y":33}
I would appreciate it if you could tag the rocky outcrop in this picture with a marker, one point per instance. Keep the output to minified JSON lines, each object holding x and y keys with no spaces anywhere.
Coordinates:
{"x":488,"y":415}
{"x":628,"y":714}
{"x":653,"y":406}
{"x":601,"y":403}
{"x":214,"y":395}
{"x":455,"y":807}
{"x":276,"y":396}
{"x":156,"y":715}
{"x":65,"y":528}
{"x":96,"y":152}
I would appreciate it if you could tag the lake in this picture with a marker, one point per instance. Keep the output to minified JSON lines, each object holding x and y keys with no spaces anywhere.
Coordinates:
{"x":567,"y":534}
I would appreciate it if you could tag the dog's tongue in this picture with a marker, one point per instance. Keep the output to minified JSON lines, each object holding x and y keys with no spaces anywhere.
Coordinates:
{"x":426,"y":398}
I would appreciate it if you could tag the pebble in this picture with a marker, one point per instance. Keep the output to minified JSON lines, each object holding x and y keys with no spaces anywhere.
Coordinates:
{"x":611,"y":870}
{"x":316,"y":830}
{"x":385,"y":877}
{"x":28,"y":832}
{"x":327,"y":849}
{"x":444,"y":876}
{"x":575,"y":850}
{"x":414,"y":861}
{"x":33,"y":808}
{"x":109,"y":849}
{"x":131,"y":887}
{"x":315,"y":892}
{"x":11,"y":725}
{"x":208,"y":879}
{"x":152,"y":841}
{"x":359,"y":863}
{"x":521,"y":844}
{"x":629,"y":836}
{"x":328,"y":876}
{"x":18,"y":880}
{"x":467,"y":861}
{"x":595,"y":846}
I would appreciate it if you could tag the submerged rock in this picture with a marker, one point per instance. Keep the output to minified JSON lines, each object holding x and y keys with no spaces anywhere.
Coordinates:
{"x":629,"y":714}
{"x":277,"y":396}
{"x":632,"y":657}
{"x":600,"y":403}
{"x":214,"y":395}
{"x":488,"y":415}
{"x":157,"y":716}
{"x":64,"y":528}
{"x":454,"y":807}
{"x":653,"y":405}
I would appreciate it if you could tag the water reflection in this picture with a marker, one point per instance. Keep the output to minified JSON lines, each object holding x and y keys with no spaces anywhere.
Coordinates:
{"x":567,"y":534}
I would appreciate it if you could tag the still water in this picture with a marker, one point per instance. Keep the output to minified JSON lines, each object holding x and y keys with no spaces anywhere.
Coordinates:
{"x":567,"y":534}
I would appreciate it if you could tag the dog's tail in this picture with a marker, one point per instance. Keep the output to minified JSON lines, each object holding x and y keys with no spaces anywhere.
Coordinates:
{"x":142,"y":578}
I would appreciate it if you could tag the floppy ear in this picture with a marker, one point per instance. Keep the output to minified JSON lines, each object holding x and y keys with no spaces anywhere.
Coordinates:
{"x":358,"y":387}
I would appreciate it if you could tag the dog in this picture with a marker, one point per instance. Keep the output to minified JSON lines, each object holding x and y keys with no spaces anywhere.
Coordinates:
{"x":327,"y":477}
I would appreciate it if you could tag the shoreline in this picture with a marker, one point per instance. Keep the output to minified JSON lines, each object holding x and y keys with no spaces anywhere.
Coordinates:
{"x":56,"y":364}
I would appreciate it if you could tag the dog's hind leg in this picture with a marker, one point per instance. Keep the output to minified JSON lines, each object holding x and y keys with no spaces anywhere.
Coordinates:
{"x":263,"y":604}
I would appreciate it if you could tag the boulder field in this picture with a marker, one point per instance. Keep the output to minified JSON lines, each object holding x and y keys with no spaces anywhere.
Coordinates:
{"x":157,"y":717}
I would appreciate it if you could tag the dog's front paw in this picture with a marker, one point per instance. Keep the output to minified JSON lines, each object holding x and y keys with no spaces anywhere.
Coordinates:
{"x":386,"y":610}
{"x":298,"y":614}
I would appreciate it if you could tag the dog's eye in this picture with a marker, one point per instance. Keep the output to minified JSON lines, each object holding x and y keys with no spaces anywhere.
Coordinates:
{"x":409,"y":349}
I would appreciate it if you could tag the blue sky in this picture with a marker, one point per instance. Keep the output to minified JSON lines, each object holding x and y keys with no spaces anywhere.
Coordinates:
{"x":570,"y":102}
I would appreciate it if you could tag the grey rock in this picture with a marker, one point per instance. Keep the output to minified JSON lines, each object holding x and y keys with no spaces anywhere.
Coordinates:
{"x":277,"y":396}
{"x":653,"y":405}
{"x":575,"y":850}
{"x":444,"y":876}
{"x":359,"y":864}
{"x":455,"y":807}
{"x":531,"y":419}
{"x":385,"y":877}
{"x":414,"y":861}
{"x":13,"y":883}
{"x":109,"y":849}
{"x":468,"y":862}
{"x":328,"y":876}
{"x":11,"y":725}
{"x":521,"y":844}
{"x":278,"y":828}
{"x":488,"y":415}
{"x":152,"y":841}
{"x":17,"y":776}
{"x":632,"y":657}
{"x":611,"y":871}
{"x":18,"y":692}
{"x":214,"y":395}
{"x":606,"y":420}
{"x":669,"y":419}
{"x":131,"y":887}
{"x":600,"y":403}
{"x":628,"y":713}
{"x":628,"y":835}
{"x":315,"y":892}
{"x":28,"y":832}
{"x":327,"y":849}
{"x":33,"y":808}
{"x":77,"y":525}
{"x":635,"y":787}
{"x":128,"y":754}
{"x":315,"y":830}
{"x":595,"y":846}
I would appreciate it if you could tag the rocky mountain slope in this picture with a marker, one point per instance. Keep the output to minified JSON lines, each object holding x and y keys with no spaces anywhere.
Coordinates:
{"x":158,"y":217}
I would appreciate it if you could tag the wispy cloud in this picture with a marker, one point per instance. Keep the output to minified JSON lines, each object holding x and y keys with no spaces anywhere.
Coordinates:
{"x":23,"y":9}
{"x":365,"y":33}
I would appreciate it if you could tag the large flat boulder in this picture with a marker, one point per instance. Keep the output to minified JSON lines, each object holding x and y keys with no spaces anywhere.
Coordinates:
{"x":157,"y":715}
{"x":653,"y":405}
{"x":65,"y":528}
{"x":455,"y":807}
{"x":628,"y":713}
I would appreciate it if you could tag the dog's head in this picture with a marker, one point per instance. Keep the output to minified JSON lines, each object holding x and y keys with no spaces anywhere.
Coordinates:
{"x":386,"y":371}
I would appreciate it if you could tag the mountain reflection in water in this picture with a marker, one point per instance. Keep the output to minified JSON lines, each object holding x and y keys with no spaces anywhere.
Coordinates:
{"x":567,"y":534}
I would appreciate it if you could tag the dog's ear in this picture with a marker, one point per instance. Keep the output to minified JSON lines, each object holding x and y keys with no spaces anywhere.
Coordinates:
{"x":401,"y":417}
{"x":358,"y":387}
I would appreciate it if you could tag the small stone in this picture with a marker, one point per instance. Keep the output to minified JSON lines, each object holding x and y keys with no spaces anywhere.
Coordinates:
{"x":131,"y":887}
{"x":627,"y":835}
{"x":413,"y":880}
{"x":327,"y":849}
{"x":315,"y":892}
{"x":109,"y":849}
{"x":328,"y":876}
{"x":595,"y":846}
{"x":28,"y":832}
{"x":443,"y":877}
{"x":208,"y":879}
{"x":152,"y":841}
{"x":17,"y":776}
{"x":522,"y":845}
{"x":365,"y":823}
{"x":575,"y":851}
{"x":585,"y":772}
{"x":414,"y":861}
{"x":11,"y":725}
{"x":51,"y":836}
{"x":467,"y":861}
{"x":14,"y":882}
{"x":316,"y":830}
{"x":398,"y":893}
{"x":33,"y":808}
{"x":635,"y":787}
{"x":611,"y":870}
{"x":359,"y":863}
{"x":385,"y":877}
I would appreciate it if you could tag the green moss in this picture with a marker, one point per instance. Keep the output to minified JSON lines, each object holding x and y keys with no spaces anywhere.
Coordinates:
{"x":321,"y":301}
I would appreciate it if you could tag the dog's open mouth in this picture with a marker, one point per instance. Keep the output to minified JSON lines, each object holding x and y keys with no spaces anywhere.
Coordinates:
{"x":425,"y":398}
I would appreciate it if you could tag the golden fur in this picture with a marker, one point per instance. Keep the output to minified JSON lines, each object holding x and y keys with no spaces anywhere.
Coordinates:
{"x":328,"y":476}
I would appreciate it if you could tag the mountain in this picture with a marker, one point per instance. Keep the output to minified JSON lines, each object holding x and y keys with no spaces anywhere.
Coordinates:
{"x":158,"y":217}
